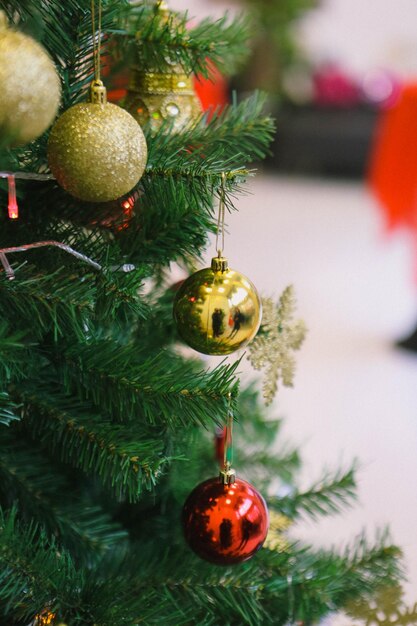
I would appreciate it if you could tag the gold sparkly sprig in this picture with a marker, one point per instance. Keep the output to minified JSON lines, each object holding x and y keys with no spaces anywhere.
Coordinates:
{"x":278,"y":337}
{"x":387,"y":609}
{"x":276,"y":538}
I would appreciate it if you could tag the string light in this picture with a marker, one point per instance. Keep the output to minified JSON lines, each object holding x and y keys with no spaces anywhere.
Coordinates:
{"x":13,"y":209}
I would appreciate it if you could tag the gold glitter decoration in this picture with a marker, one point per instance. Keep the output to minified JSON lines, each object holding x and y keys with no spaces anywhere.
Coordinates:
{"x":217,"y":310}
{"x":279,"y":335}
{"x":386,"y":609}
{"x":278,"y":525}
{"x":30,"y":87}
{"x":46,"y":618}
{"x":97,"y":151}
{"x":156,"y":97}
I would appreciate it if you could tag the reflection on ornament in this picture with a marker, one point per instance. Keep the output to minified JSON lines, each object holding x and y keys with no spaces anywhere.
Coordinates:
{"x":156,"y":97}
{"x":217,"y":310}
{"x":30,"y":87}
{"x":225,"y":523}
{"x":96,"y":150}
{"x":116,"y":215}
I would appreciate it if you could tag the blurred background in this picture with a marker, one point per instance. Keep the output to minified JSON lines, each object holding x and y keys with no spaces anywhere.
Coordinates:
{"x":334,"y":212}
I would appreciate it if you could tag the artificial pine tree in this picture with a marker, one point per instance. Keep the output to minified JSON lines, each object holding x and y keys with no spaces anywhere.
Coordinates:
{"x":105,"y":426}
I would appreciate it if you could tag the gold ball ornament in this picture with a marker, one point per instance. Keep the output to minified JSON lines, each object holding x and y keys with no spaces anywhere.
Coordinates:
{"x":96,"y":150}
{"x":30,"y":87}
{"x":217,"y":310}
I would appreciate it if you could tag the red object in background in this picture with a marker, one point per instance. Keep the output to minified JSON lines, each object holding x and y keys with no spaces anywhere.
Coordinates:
{"x":212,"y":92}
{"x":333,"y":87}
{"x":225,"y":524}
{"x":119,"y":82}
{"x":393,"y":165}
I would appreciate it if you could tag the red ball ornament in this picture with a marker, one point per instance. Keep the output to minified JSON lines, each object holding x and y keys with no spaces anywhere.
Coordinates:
{"x":225,"y":524}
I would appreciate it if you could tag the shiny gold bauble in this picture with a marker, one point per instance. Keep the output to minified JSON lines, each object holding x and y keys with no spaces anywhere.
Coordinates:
{"x":97,"y":151}
{"x":30,"y":89}
{"x":156,"y":97}
{"x":217,"y":310}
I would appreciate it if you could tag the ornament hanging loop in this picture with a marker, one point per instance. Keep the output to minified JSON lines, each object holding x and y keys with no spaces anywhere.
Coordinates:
{"x":96,"y":38}
{"x":227,"y":474}
{"x":220,"y":263}
{"x":221,"y":218}
{"x":98,"y":92}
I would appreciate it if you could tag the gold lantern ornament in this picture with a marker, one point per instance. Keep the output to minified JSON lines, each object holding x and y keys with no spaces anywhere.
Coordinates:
{"x":97,"y":150}
{"x":154,"y":97}
{"x":217,"y":310}
{"x":30,"y":86}
{"x":46,"y":618}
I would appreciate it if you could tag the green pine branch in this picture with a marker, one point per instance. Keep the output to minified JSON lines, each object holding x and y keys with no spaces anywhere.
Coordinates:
{"x":55,"y":303}
{"x":239,"y":134}
{"x":160,"y":583}
{"x":41,"y":488}
{"x":262,"y":464}
{"x":127,"y":461}
{"x":330,"y":495}
{"x":9,"y":410}
{"x":274,"y":588}
{"x":152,"y":42}
{"x":14,"y":353}
{"x":66,"y":302}
{"x":32,"y":571}
{"x":170,"y":224}
{"x":161,"y":389}
{"x":184,"y":176}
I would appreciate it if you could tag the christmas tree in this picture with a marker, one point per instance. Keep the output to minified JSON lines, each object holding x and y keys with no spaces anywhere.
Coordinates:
{"x":106,"y":425}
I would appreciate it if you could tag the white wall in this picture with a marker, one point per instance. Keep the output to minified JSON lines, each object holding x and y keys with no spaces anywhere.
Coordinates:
{"x":360,"y":34}
{"x":364,"y":34}
{"x":199,"y":8}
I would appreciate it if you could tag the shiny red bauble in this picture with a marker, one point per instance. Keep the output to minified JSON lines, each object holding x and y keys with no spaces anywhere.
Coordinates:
{"x":225,"y":524}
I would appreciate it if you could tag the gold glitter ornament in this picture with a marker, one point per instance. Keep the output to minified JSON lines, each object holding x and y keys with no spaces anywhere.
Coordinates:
{"x":30,"y":87}
{"x":96,"y":150}
{"x":217,"y":310}
{"x":157,"y":96}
